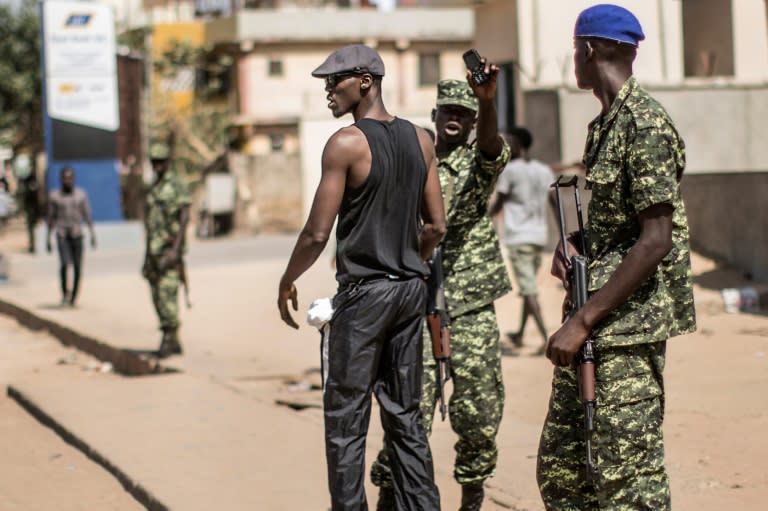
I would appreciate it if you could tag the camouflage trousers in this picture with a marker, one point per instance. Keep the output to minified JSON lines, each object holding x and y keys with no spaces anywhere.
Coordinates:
{"x":165,"y":293}
{"x":477,"y":401}
{"x":627,"y":445}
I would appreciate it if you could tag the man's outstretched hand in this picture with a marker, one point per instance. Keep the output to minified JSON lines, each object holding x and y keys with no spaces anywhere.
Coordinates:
{"x":286,"y":292}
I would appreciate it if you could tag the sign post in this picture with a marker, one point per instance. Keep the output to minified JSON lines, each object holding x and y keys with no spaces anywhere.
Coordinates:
{"x":80,"y":100}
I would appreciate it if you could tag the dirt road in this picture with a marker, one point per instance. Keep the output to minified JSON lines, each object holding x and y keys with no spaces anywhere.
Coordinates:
{"x":39,"y":471}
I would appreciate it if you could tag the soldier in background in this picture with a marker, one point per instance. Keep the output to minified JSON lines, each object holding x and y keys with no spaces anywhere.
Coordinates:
{"x":29,"y":192}
{"x":165,"y":221}
{"x":475,"y":276}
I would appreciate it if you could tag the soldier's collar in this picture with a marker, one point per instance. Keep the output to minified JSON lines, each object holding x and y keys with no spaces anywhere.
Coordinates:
{"x":624,"y":92}
{"x":454,"y":157}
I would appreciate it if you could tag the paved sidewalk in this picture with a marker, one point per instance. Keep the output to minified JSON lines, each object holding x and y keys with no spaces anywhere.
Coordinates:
{"x":232,"y":330}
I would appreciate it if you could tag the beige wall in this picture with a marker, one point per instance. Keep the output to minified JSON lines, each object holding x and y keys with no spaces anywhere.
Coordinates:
{"x":495,"y":30}
{"x":297,"y":93}
{"x":546,"y":41}
{"x":728,"y":216}
{"x":722,"y":128}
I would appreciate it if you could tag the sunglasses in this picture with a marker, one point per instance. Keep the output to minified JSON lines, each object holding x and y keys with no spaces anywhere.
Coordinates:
{"x":333,"y":80}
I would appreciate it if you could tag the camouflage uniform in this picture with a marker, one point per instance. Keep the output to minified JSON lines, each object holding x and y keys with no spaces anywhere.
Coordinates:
{"x":29,"y":191}
{"x":475,"y":276}
{"x":164,"y":201}
{"x":634,"y":159}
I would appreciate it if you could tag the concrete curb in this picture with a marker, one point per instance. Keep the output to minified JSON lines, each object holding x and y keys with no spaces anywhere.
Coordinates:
{"x":123,"y":361}
{"x":137,"y":491}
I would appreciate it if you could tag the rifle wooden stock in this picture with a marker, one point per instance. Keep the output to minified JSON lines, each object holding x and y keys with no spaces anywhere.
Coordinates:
{"x":441,"y":338}
{"x":437,"y":321}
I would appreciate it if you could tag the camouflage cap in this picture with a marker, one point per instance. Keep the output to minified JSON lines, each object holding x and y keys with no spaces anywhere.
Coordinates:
{"x":456,"y":92}
{"x":159,"y":151}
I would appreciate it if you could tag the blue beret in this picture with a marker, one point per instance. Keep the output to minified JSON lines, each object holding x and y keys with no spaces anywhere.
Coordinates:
{"x":607,"y":21}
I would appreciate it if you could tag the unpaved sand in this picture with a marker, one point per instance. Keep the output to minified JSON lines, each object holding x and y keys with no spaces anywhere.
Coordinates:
{"x":39,"y":471}
{"x":717,"y":413}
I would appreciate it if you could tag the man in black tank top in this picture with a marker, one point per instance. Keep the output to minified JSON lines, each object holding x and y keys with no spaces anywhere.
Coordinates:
{"x":380,"y":177}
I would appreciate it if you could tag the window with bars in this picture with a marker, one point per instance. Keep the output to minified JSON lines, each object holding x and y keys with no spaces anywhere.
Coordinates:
{"x":429,"y":68}
{"x":275,"y":67}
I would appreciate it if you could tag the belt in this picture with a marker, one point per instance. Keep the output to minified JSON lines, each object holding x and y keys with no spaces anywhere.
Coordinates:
{"x":354,"y":284}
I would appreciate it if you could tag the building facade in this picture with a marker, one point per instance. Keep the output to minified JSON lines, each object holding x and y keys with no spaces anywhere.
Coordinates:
{"x":280,"y":116}
{"x":705,"y":60}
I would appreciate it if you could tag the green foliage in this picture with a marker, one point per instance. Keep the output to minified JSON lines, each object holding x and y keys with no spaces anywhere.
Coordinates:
{"x":133,"y":39}
{"x":197,"y":135}
{"x":20,"y":86}
{"x":178,"y":55}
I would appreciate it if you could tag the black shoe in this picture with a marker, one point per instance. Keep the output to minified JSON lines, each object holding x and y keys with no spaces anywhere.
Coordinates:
{"x":509,"y":351}
{"x":515,"y":338}
{"x":386,"y":500}
{"x":472,"y":497}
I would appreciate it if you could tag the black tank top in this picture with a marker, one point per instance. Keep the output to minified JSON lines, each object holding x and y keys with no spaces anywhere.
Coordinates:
{"x":379,"y":221}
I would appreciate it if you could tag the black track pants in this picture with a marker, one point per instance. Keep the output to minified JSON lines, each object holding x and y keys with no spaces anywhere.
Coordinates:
{"x":375,"y":345}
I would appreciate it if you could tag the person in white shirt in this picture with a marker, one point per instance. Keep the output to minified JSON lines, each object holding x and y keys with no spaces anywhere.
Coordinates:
{"x":523,"y":193}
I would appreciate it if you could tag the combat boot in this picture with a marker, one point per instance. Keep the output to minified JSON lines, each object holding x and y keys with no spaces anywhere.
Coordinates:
{"x":169,"y":345}
{"x":472,"y":497}
{"x":386,"y":500}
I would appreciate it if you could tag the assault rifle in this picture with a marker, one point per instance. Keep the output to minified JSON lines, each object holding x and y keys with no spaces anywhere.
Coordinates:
{"x":577,"y":280}
{"x":438,"y":321}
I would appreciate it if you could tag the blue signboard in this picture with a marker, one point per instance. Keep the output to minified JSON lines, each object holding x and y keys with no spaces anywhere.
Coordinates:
{"x":80,"y":101}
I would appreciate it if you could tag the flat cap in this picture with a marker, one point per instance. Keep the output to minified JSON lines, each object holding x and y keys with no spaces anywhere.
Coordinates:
{"x":356,"y":58}
{"x":456,"y":92}
{"x":607,"y":21}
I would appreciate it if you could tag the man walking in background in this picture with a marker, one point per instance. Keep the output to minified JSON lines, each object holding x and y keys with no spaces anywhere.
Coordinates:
{"x":68,"y":208}
{"x":523,"y":192}
{"x":29,"y":192}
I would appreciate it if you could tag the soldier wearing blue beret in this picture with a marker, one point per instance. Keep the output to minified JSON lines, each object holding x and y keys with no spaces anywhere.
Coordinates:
{"x":639,"y":284}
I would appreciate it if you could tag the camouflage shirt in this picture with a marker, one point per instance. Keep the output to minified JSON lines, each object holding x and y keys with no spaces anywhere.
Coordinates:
{"x":475,"y":273}
{"x":635,"y":159}
{"x":165,"y":198}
